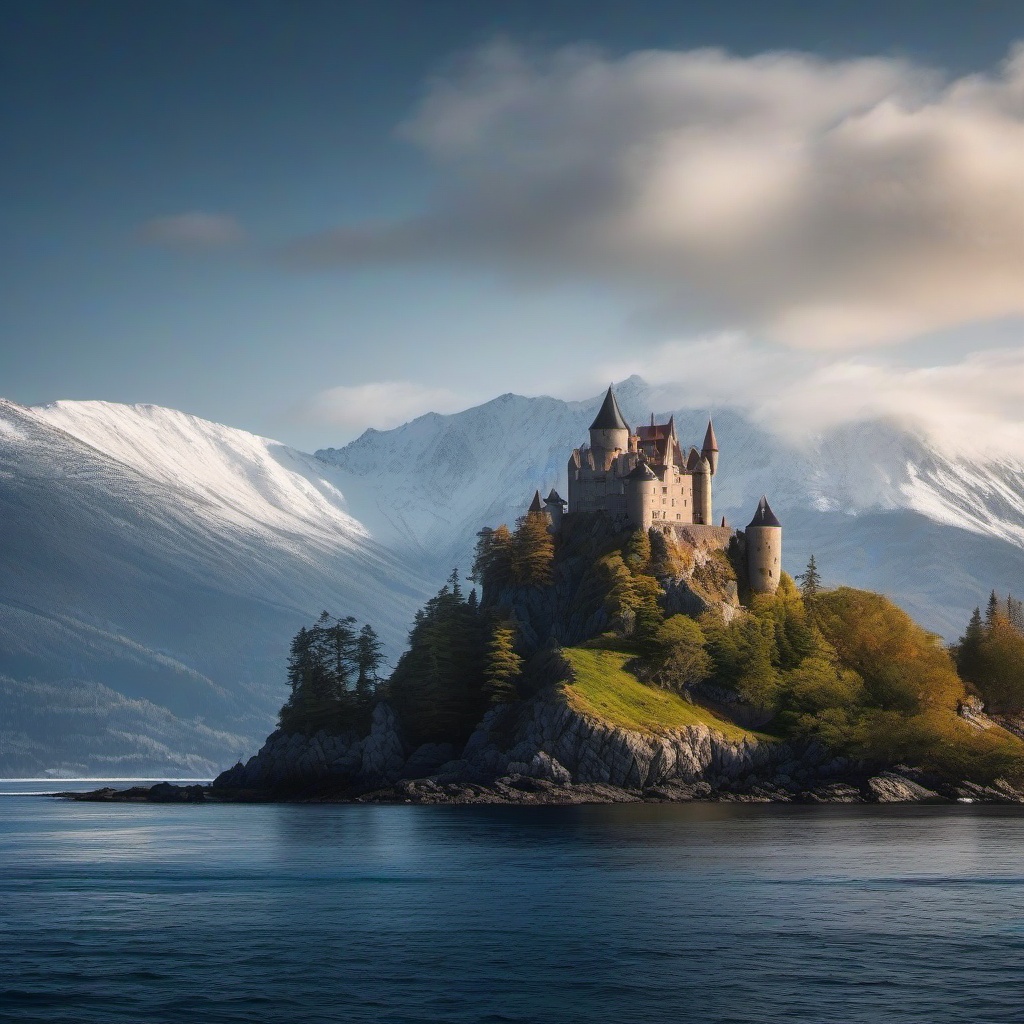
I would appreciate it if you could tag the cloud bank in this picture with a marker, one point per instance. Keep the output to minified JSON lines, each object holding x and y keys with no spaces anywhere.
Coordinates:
{"x":825,"y":205}
{"x":974,"y":404}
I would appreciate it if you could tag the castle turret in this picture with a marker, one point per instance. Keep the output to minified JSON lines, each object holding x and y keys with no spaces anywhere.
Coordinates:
{"x":710,"y":448}
{"x":535,"y":505}
{"x":701,"y":489}
{"x":641,"y":487}
{"x":555,"y":504}
{"x":764,"y":549}
{"x":609,"y":430}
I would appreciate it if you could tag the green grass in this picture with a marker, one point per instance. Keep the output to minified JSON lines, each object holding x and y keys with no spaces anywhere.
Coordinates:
{"x":605,"y":690}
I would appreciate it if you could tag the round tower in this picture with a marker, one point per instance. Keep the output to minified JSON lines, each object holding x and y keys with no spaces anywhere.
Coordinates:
{"x":764,"y":549}
{"x":554,"y":505}
{"x":641,"y":487}
{"x":702,"y":492}
{"x":609,"y":431}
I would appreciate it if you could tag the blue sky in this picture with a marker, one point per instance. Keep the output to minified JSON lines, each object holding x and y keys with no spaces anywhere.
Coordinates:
{"x":305,"y":218}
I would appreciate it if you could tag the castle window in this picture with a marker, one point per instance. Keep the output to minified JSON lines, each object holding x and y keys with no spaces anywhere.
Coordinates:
{"x":678,"y":516}
{"x":664,"y":490}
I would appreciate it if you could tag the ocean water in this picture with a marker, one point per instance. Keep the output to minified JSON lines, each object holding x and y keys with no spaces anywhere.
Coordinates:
{"x":716,"y":913}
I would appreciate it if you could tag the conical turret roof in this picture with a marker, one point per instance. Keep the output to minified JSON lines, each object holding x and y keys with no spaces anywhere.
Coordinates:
{"x":610,"y":416}
{"x":764,"y":516}
{"x":554,"y":498}
{"x":535,"y":505}
{"x":710,"y":441}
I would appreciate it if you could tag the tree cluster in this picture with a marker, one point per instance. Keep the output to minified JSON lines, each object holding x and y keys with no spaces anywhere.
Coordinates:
{"x":990,"y":654}
{"x":523,"y":558}
{"x":459,"y":661}
{"x":333,"y":674}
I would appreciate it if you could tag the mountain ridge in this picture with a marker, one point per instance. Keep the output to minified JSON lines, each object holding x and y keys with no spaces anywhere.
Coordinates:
{"x":167,"y":559}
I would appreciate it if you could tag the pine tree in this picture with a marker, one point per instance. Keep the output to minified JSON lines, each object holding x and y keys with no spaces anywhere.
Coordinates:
{"x":992,"y":609}
{"x":492,"y":561}
{"x":810,"y":580}
{"x":369,"y":657}
{"x":533,"y":550}
{"x":968,"y":650}
{"x":502,"y":667}
{"x":1015,"y":613}
{"x":437,"y":685}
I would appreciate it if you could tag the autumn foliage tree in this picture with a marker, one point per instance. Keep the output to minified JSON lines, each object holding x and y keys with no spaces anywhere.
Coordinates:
{"x":533,"y":550}
{"x":503,"y":667}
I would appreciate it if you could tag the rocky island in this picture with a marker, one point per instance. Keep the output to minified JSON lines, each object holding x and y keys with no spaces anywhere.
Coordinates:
{"x":623,"y":648}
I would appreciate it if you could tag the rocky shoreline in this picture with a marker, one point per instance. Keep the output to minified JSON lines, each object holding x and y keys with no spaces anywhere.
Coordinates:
{"x":543,"y":752}
{"x":890,"y":787}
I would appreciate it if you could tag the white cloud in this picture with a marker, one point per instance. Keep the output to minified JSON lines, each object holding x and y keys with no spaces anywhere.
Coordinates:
{"x":827,"y":205}
{"x":974,"y":403}
{"x":382,"y":404}
{"x":193,"y":230}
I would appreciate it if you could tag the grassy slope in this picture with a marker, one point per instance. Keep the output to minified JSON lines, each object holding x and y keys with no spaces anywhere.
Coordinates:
{"x":604,"y":689}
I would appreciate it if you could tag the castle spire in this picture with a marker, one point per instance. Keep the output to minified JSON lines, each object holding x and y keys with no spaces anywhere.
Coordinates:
{"x":610,"y":416}
{"x":710,"y":448}
{"x":710,"y":441}
{"x":535,"y":505}
{"x":764,"y":516}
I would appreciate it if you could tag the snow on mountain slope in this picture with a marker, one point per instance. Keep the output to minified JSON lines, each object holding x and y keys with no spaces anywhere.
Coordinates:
{"x":861,"y":489}
{"x":155,"y":562}
{"x":235,"y":477}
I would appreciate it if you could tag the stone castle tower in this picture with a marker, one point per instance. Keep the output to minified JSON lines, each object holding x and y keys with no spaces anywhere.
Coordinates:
{"x":646,"y":478}
{"x":764,"y":549}
{"x":644,"y":475}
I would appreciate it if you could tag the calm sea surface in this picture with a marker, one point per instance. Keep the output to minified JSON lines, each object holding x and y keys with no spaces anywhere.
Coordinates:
{"x":148,"y":913}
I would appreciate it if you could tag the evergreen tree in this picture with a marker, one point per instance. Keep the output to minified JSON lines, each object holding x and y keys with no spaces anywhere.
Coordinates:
{"x":533,"y":550}
{"x":322,"y":659}
{"x":992,"y":609}
{"x":437,"y":685}
{"x":1015,"y":613}
{"x":492,"y":561}
{"x":502,"y":667}
{"x":810,"y":580}
{"x":968,"y":651}
{"x":369,"y":657}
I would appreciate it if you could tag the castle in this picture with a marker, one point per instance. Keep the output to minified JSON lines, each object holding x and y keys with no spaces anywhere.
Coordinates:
{"x":646,"y":478}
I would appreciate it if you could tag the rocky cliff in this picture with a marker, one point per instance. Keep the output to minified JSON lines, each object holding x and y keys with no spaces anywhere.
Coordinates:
{"x":543,"y":739}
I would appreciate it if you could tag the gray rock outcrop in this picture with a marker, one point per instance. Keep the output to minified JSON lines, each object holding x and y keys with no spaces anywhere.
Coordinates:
{"x":546,"y":739}
{"x":289,"y":760}
{"x":890,"y":788}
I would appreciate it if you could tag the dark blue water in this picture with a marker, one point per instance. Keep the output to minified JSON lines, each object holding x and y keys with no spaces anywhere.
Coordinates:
{"x":719,"y":913}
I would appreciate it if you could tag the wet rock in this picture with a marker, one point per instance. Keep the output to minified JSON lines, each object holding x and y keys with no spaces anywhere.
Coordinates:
{"x":890,"y":788}
{"x":832,"y":793}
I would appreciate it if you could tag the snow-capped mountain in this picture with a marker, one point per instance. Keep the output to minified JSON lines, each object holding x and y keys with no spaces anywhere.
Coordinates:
{"x":153,"y":567}
{"x":882,"y":505}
